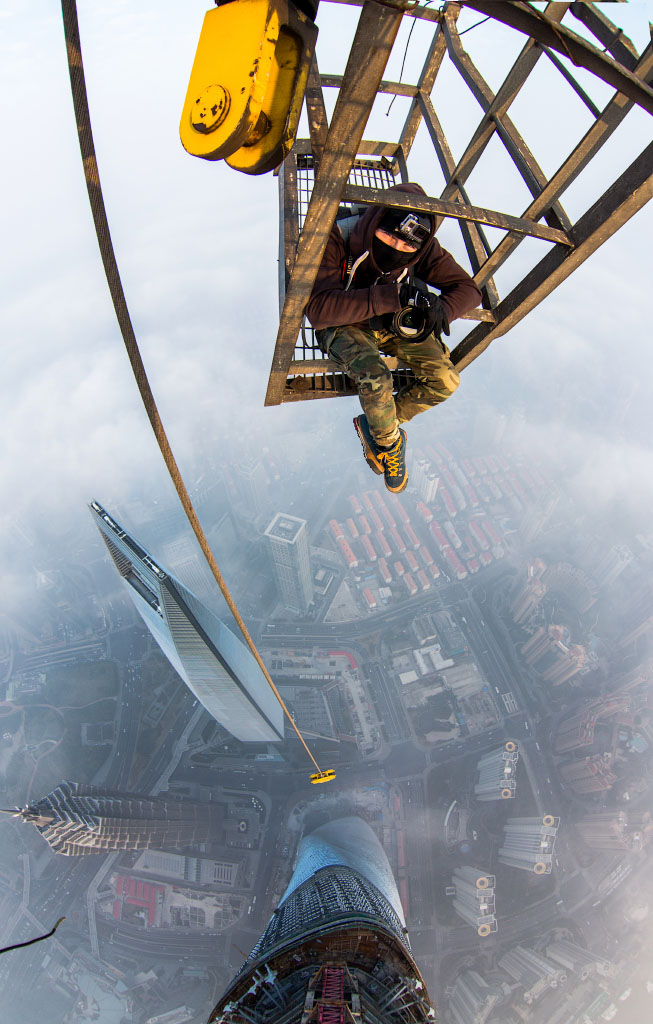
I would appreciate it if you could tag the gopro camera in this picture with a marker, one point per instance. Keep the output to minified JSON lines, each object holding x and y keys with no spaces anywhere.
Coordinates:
{"x":412,"y":230}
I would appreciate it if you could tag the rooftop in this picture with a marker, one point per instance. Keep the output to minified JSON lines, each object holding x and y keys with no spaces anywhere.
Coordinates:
{"x":285,"y":527}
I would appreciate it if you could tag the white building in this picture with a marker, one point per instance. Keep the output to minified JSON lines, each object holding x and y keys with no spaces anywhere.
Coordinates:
{"x":288,"y":545}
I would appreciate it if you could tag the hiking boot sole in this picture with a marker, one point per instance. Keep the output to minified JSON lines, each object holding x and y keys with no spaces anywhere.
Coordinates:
{"x":398,"y":490}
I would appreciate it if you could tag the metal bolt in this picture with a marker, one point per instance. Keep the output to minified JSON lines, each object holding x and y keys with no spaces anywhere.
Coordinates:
{"x":210,"y":109}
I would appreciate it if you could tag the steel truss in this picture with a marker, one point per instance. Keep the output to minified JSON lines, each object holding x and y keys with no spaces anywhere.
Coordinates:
{"x":337,"y":165}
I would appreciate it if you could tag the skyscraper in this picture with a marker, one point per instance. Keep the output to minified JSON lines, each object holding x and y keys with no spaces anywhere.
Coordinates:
{"x":532,"y":970}
{"x":610,"y":567}
{"x":591,"y":775}
{"x":473,"y":898}
{"x":552,"y":655}
{"x":336,"y":948}
{"x":253,"y":486}
{"x":425,"y":480}
{"x":578,"y":960}
{"x":497,"y":773}
{"x":578,"y":730}
{"x":218,"y":669}
{"x":528,"y":843}
{"x":288,"y":544}
{"x":472,"y":999}
{"x":616,"y":830}
{"x":75,"y":819}
{"x":527,"y":599}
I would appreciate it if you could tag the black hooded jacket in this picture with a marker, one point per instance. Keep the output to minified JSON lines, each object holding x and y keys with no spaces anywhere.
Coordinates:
{"x":372,"y":292}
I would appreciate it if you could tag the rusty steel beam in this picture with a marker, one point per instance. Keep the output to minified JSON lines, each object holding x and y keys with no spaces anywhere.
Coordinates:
{"x":575,"y":163}
{"x":394,"y":88}
{"x":538,"y":26}
{"x":629,"y":193}
{"x":473,"y":237}
{"x":424,"y":13}
{"x":367,"y":147}
{"x":612,"y":38}
{"x":318,"y":124}
{"x":432,"y":64}
{"x":288,"y":223}
{"x":576,"y":86}
{"x":521,"y":156}
{"x":458,"y":211}
{"x":510,"y":88}
{"x":375,"y":34}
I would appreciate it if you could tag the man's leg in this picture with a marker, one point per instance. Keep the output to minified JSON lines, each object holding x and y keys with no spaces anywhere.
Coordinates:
{"x":435,"y":376}
{"x":356,"y":350}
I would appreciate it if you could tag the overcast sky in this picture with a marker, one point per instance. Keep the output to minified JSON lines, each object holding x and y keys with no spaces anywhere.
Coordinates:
{"x":197,"y":249}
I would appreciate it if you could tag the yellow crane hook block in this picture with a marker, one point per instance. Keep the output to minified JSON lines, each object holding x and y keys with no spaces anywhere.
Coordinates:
{"x":247,"y":83}
{"x":326,"y":776}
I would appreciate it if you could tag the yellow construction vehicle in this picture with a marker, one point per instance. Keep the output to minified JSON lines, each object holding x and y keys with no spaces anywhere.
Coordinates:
{"x":247,"y":83}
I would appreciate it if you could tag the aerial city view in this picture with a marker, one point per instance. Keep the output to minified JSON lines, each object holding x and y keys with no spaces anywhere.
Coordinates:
{"x":416,"y":787}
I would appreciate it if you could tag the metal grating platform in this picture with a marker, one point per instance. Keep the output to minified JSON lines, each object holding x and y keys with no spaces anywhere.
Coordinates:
{"x":325,"y":381}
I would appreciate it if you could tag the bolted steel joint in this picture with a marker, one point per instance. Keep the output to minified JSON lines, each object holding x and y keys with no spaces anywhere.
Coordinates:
{"x":210,"y":109}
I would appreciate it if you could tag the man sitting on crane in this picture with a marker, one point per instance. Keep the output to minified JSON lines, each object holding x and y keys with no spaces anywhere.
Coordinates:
{"x":370,"y":297}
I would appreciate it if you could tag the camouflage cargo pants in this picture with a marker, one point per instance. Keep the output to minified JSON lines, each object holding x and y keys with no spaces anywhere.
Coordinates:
{"x":358,"y":350}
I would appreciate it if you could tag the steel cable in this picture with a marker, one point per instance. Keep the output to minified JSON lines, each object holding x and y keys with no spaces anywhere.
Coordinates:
{"x":96,"y":199}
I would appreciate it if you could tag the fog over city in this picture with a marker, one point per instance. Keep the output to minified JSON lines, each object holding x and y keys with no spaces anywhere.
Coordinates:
{"x":510,"y":615}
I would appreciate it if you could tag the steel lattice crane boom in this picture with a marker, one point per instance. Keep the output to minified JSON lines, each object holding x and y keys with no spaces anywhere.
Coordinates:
{"x":337,"y":165}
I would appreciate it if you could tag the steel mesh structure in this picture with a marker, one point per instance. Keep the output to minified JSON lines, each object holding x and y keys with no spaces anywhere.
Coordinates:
{"x":336,"y":948}
{"x":338,"y":166}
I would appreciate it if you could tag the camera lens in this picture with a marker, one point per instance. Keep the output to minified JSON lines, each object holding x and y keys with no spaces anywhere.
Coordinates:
{"x":408,"y":323}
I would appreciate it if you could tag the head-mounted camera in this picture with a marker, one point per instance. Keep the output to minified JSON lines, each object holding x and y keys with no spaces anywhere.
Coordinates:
{"x":414,"y":228}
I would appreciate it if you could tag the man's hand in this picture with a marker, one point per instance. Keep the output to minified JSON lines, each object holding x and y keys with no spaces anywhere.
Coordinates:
{"x":417,"y":294}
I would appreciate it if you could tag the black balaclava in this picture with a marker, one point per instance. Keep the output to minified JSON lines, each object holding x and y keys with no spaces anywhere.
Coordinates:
{"x":414,"y":228}
{"x":387,"y":258}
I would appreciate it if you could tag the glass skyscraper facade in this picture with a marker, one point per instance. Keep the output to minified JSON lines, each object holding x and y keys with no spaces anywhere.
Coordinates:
{"x":219,"y":670}
{"x":336,"y":947}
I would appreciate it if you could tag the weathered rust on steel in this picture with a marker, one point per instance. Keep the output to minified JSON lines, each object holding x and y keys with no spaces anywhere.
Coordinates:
{"x":288,"y":223}
{"x":318,"y":124}
{"x":475,"y":242}
{"x":375,"y":34}
{"x":459,"y":211}
{"x":508,"y":91}
{"x":367,"y":147}
{"x":520,"y":154}
{"x":590,"y":144}
{"x":299,"y":372}
{"x":432,"y":64}
{"x":612,"y":38}
{"x":424,"y":13}
{"x":535,"y":24}
{"x":394,"y":88}
{"x":576,"y":86}
{"x":628,"y":194}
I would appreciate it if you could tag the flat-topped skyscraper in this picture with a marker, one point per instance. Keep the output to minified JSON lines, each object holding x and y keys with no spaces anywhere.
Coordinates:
{"x":288,"y":544}
{"x":336,"y":948}
{"x":218,"y":669}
